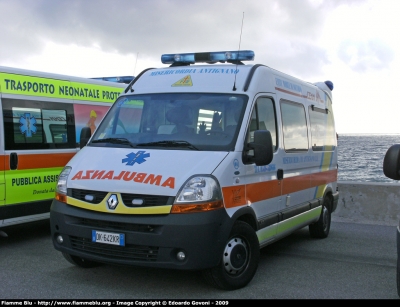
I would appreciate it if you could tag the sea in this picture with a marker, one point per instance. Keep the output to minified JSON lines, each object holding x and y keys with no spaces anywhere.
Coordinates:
{"x":360,"y":156}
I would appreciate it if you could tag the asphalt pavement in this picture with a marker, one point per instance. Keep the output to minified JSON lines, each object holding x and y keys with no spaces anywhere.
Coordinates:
{"x":356,"y":261}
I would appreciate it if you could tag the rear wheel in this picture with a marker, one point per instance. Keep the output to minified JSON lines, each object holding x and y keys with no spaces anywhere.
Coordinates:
{"x":321,"y":228}
{"x":239,"y":260}
{"x":81,"y":262}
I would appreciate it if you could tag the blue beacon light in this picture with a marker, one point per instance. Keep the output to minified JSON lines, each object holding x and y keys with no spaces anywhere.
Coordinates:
{"x":329,"y":84}
{"x":208,"y":57}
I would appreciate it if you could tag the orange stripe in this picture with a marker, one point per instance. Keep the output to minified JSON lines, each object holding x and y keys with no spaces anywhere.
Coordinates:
{"x":32,"y":161}
{"x":263,"y":190}
{"x":2,"y":163}
{"x":235,"y":196}
{"x":296,"y":183}
{"x":318,"y":179}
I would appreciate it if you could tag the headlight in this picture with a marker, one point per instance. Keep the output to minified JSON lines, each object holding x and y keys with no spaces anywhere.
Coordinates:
{"x":62,"y":180}
{"x":199,"y":189}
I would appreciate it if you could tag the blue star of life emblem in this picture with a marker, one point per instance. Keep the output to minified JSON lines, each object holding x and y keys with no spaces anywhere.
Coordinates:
{"x":138,"y":157}
{"x":27,"y":125}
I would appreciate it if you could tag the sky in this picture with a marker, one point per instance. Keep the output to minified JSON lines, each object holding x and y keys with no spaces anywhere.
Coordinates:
{"x":353,"y":43}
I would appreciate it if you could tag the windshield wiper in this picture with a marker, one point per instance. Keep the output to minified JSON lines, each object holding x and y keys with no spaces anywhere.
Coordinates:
{"x":170,"y":144}
{"x":121,"y":141}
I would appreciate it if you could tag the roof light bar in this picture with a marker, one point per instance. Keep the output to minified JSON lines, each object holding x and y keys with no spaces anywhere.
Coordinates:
{"x":121,"y":79}
{"x":208,"y":57}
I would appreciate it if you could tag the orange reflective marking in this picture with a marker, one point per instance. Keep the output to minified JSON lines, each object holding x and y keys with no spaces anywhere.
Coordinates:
{"x":2,"y":163}
{"x":263,"y":190}
{"x":324,"y":177}
{"x":235,"y":196}
{"x":296,"y":183}
{"x":32,"y":161}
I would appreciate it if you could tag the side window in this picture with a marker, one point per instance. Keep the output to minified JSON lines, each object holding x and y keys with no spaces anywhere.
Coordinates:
{"x":323,"y":137}
{"x":38,"y":125}
{"x":294,"y":127}
{"x":263,"y":118}
{"x":55,"y":126}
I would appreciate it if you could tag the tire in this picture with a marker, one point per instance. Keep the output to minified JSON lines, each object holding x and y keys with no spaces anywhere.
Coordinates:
{"x":81,"y":262}
{"x":239,"y":260}
{"x":320,"y":229}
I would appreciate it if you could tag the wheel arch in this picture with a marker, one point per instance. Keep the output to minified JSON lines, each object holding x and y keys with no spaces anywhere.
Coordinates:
{"x":328,"y":195}
{"x":247,"y":215}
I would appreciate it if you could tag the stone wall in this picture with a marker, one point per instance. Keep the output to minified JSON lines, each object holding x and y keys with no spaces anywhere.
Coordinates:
{"x":371,"y":203}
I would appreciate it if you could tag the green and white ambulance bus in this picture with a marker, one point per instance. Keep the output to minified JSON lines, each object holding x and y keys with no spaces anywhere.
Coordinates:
{"x":41,"y":116}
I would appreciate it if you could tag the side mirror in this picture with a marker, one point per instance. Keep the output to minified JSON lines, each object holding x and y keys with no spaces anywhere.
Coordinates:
{"x":391,"y":162}
{"x":86,"y":133}
{"x":262,"y":147}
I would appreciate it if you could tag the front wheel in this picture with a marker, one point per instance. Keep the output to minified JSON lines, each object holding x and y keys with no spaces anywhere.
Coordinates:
{"x":239,"y":260}
{"x":320,"y":229}
{"x":80,"y":262}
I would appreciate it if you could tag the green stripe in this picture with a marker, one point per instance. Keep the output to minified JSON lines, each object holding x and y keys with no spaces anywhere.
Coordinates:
{"x":52,"y":88}
{"x":31,"y":185}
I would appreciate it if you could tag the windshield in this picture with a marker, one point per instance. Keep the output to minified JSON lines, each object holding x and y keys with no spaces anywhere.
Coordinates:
{"x":190,"y":121}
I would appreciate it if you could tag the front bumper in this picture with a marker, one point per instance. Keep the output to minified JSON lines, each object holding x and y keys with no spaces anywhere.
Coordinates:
{"x":150,"y":240}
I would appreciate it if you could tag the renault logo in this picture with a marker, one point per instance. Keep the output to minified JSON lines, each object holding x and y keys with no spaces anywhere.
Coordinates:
{"x":112,"y":201}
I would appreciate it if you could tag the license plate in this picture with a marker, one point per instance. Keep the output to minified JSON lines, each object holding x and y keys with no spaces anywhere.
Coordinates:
{"x":108,"y":238}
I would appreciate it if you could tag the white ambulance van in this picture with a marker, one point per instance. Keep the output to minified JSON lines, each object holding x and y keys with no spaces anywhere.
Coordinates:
{"x":41,"y":117}
{"x":197,"y":167}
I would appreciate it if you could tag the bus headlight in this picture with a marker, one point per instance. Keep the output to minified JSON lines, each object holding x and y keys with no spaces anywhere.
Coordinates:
{"x":62,"y":181}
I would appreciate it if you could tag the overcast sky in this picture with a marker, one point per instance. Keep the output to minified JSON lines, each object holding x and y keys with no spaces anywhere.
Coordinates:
{"x":353,"y":43}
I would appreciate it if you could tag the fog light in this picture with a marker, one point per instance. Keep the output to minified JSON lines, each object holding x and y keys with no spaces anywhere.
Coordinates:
{"x":180,"y":256}
{"x":60,"y":239}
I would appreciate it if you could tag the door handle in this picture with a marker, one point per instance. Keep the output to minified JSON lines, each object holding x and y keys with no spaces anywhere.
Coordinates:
{"x":13,"y":161}
{"x":279,"y":174}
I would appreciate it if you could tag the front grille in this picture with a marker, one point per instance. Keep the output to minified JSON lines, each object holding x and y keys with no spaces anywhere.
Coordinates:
{"x":128,"y":252}
{"x":113,"y":226}
{"x":147,"y":200}
{"x":80,"y":194}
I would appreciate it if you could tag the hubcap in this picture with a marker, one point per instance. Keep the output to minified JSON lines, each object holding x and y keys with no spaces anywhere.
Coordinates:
{"x":235,"y":256}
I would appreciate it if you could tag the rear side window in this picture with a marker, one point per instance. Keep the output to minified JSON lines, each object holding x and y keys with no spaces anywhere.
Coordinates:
{"x":294,"y":125}
{"x":323,"y":136}
{"x":38,"y":125}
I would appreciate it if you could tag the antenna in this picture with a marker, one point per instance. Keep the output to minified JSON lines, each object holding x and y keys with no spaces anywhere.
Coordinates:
{"x":240,"y":40}
{"x":241,"y":29}
{"x":134,"y":69}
